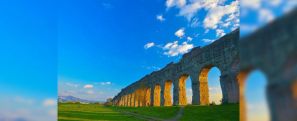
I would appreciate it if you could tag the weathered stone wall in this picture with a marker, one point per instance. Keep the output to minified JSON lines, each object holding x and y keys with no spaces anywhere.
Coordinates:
{"x":272,"y":49}
{"x":223,"y":54}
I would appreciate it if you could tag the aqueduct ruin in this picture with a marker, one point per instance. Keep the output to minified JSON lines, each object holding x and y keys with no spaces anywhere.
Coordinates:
{"x":272,"y":49}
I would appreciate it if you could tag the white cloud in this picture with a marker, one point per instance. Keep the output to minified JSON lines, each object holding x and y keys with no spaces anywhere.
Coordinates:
{"x":220,"y":32}
{"x":160,"y":18}
{"x":208,"y":40}
{"x":180,"y":33}
{"x":105,"y":83}
{"x":215,"y":14}
{"x":189,"y":38}
{"x":265,"y":15}
{"x":227,"y":24}
{"x":194,"y":6}
{"x":253,"y":4}
{"x":152,"y":67}
{"x":275,"y":2}
{"x":174,"y":49}
{"x":190,"y":10}
{"x":49,"y":102}
{"x":289,"y":5}
{"x":88,"y":86}
{"x":177,"y":3}
{"x":149,"y":45}
{"x":194,"y":22}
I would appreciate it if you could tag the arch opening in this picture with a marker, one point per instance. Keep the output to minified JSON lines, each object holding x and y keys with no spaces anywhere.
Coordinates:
{"x":157,"y":91}
{"x":253,"y":102}
{"x":210,"y":86}
{"x":214,"y":86}
{"x":168,"y":93}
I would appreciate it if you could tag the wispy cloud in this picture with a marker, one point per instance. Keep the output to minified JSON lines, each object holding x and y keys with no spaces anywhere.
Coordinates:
{"x":160,"y":18}
{"x":207,"y":40}
{"x":105,"y":83}
{"x":49,"y":102}
{"x":180,"y":32}
{"x":220,"y":32}
{"x":174,"y":49}
{"x":215,"y":11}
{"x":149,"y":45}
{"x":88,"y":86}
{"x":189,"y":38}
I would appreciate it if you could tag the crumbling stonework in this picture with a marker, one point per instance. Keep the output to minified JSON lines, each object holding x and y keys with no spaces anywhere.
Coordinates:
{"x":272,"y":49}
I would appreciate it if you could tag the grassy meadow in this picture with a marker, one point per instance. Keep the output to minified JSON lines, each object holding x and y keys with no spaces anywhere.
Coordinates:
{"x":95,"y":112}
{"x":90,"y":112}
{"x":158,"y":112}
{"x":228,"y":112}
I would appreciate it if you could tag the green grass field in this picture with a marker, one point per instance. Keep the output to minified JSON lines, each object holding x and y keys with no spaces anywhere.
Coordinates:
{"x":159,"y":112}
{"x":94,"y":112}
{"x":90,"y":112}
{"x":228,"y":112}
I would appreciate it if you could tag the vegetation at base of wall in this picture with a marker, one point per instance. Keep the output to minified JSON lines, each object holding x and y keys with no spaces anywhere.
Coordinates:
{"x":225,"y":112}
{"x":158,"y":112}
{"x":90,"y":112}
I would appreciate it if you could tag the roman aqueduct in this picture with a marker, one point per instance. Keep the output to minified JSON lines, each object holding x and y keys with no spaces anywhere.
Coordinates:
{"x":272,"y":49}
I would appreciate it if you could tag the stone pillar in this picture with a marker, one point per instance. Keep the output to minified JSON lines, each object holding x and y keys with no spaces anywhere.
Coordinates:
{"x":132,"y":99}
{"x":203,"y":87}
{"x":157,"y":91}
{"x":128,"y":100}
{"x":176,"y":92}
{"x":141,"y":97}
{"x":282,"y":100}
{"x":136,"y":101}
{"x":195,"y":89}
{"x":230,"y":88}
{"x":162,"y":95}
{"x":182,"y":90}
{"x":167,"y":93}
{"x":121,"y":101}
{"x":125,"y":100}
{"x":147,"y":96}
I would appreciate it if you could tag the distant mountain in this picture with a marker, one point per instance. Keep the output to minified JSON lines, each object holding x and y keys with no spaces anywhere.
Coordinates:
{"x":74,"y":99}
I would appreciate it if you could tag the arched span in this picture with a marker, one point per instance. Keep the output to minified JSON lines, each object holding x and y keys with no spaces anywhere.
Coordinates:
{"x":253,"y":104}
{"x":203,"y":84}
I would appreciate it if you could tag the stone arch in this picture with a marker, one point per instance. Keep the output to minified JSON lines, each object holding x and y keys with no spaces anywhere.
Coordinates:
{"x":167,"y":93}
{"x":203,"y":84}
{"x":242,"y":77}
{"x":157,"y":95}
{"x":182,"y":98}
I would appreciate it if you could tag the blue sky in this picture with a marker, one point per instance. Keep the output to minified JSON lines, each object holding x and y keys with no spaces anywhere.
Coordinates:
{"x":28,"y":60}
{"x":118,"y":42}
{"x":93,"y":48}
